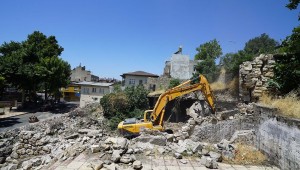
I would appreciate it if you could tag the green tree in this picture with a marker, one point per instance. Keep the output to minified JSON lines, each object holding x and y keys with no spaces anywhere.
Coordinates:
{"x":287,"y":67}
{"x":33,"y":62}
{"x":137,"y":97}
{"x":208,"y":68}
{"x":208,"y":52}
{"x":260,"y":44}
{"x":293,"y":5}
{"x":253,"y":47}
{"x":174,"y":83}
{"x":292,"y":43}
{"x":210,"y":49}
{"x":54,"y":73}
{"x":124,"y":104}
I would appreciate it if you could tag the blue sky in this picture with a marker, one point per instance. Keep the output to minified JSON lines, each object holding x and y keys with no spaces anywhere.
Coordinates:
{"x":111,"y":37}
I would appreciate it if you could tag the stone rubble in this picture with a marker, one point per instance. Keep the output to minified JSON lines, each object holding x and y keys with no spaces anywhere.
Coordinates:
{"x":43,"y":143}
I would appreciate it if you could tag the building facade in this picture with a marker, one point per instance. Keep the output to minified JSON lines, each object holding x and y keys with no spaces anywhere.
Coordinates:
{"x":71,"y":92}
{"x":92,"y":92}
{"x":136,"y":78}
{"x":180,"y":66}
{"x":79,"y":74}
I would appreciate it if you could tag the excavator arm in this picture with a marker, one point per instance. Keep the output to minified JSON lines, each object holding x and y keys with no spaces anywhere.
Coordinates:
{"x":153,"y":119}
{"x":182,"y":89}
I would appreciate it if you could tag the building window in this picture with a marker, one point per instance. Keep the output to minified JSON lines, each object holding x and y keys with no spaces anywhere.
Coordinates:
{"x":86,"y":90}
{"x":132,"y":81}
{"x":76,"y":88}
{"x":101,"y":90}
{"x":152,"y":87}
{"x":140,"y":82}
{"x":94,"y":90}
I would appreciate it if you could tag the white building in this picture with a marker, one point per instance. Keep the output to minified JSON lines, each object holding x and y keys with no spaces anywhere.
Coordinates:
{"x":180,"y":66}
{"x":136,"y":78}
{"x":92,"y":92}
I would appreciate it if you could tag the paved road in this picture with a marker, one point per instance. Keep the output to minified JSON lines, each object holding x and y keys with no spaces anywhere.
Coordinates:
{"x":21,"y":120}
{"x":84,"y":162}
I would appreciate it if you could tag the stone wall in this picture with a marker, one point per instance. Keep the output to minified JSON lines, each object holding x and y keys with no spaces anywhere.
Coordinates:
{"x":276,"y":136}
{"x":254,"y":75}
{"x":30,"y":143}
{"x":157,"y":83}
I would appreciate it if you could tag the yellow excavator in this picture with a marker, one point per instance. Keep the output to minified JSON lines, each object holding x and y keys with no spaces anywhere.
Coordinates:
{"x":153,"y":119}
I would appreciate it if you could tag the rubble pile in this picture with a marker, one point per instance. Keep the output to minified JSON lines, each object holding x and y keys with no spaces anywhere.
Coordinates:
{"x":61,"y":138}
{"x":40,"y":144}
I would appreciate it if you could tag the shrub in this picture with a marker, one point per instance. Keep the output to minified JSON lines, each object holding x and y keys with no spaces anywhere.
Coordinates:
{"x":124,"y":104}
{"x":173,"y":83}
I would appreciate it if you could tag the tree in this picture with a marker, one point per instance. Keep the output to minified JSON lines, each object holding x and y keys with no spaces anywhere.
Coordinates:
{"x":293,"y":5}
{"x":137,"y":97}
{"x":292,"y":43}
{"x":261,"y":44}
{"x":253,"y":47}
{"x":287,"y":67}
{"x":208,"y":68}
{"x":34,"y":62}
{"x":124,"y":104}
{"x":208,"y":52}
{"x":54,"y":73}
{"x":210,"y":49}
{"x":174,"y":83}
{"x":40,"y":48}
{"x":11,"y":63}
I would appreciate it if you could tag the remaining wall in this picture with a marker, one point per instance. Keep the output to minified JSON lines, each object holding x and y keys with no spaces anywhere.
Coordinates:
{"x":180,"y":66}
{"x":254,"y":75}
{"x":159,"y":83}
{"x":88,"y":99}
{"x":278,"y":137}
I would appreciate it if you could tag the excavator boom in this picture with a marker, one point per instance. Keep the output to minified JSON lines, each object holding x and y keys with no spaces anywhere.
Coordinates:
{"x":153,"y":119}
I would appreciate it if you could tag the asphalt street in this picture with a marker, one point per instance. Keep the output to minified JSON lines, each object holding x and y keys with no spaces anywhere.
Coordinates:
{"x":22,"y":120}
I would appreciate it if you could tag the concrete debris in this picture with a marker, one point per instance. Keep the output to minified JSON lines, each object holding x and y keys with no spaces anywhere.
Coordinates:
{"x":99,"y":165}
{"x":215,"y":156}
{"x":155,"y":140}
{"x":209,"y":162}
{"x":243,"y":136}
{"x":177,"y":155}
{"x":10,"y":167}
{"x":95,"y":148}
{"x":228,"y":114}
{"x":64,"y":138}
{"x":73,"y":136}
{"x":246,"y":109}
{"x":137,"y":165}
{"x":126,"y":159}
{"x":183,"y":161}
{"x":116,"y":156}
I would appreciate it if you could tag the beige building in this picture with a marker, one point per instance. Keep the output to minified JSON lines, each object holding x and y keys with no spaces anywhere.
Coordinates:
{"x":92,"y":92}
{"x":136,"y":78}
{"x":79,"y":74}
